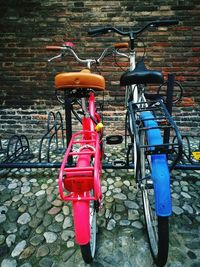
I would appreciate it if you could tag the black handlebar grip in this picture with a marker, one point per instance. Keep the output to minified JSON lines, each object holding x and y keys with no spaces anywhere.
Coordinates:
{"x":98,"y":31}
{"x":159,"y":23}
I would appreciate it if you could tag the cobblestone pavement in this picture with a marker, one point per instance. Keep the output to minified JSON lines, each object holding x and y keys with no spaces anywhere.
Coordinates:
{"x":36,"y":227}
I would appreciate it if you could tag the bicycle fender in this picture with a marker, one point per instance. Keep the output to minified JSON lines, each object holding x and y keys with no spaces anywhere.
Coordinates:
{"x":159,"y":168}
{"x":81,"y":221}
{"x":161,"y":181}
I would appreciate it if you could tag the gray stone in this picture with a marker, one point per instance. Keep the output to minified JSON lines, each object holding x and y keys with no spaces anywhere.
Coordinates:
{"x":32,"y":210}
{"x":175,"y":196}
{"x":118,"y":184}
{"x":66,"y":255}
{"x":25,"y":189}
{"x":120,"y":196}
{"x":67,"y":234}
{"x":40,"y":214}
{"x":193,"y":244}
{"x":32,"y":180}
{"x":117,"y":190}
{"x":116,"y":217}
{"x":2,"y":218}
{"x":133,"y":215}
{"x":10,"y":240}
{"x":66,"y":210}
{"x":104,"y":189}
{"x":57,"y":203}
{"x":67,"y":223}
{"x":17,"y":198}
{"x":2,"y":239}
{"x":24,"y":218}
{"x":18,"y":249}
{"x":40,"y":193}
{"x":108,"y":193}
{"x":119,"y":208}
{"x":22,"y":208}
{"x":44,"y":186}
{"x":2,"y":187}
{"x":9,"y":263}
{"x":50,"y":237}
{"x":47,"y":220}
{"x":10,"y":228}
{"x":191,"y":255}
{"x":24,"y":231}
{"x":110,"y":181}
{"x":131,"y":204}
{"x":46,"y":206}
{"x":137,"y":224}
{"x":35,"y":222}
{"x":40,"y":229}
{"x":70,"y":244}
{"x":188,"y":208}
{"x":4,"y":250}
{"x":36,"y":240}
{"x":3,"y":209}
{"x":12,"y":215}
{"x":111,"y":224}
{"x":42,"y":251}
{"x":59,"y":217}
{"x":27,"y":252}
{"x":26,"y":265}
{"x":109,"y":199}
{"x":108,"y":214}
{"x":45,"y":262}
{"x":177,"y":210}
{"x":12,"y":185}
{"x":124,"y":222}
{"x":55,"y":227}
{"x":185,"y":195}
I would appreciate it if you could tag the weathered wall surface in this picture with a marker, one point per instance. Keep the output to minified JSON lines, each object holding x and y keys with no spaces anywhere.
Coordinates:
{"x":26,"y":79}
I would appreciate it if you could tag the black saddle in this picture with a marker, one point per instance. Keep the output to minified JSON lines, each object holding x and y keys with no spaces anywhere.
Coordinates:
{"x":141,"y":75}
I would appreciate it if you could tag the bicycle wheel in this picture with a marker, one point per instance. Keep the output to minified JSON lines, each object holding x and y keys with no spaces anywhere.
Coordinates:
{"x":156,"y":226}
{"x":88,"y":250}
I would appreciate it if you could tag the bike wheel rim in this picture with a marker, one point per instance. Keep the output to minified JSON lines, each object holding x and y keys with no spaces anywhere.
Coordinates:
{"x":150,"y":215}
{"x":92,"y":228}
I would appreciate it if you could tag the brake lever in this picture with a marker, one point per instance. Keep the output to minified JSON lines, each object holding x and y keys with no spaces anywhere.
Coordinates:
{"x":55,"y":57}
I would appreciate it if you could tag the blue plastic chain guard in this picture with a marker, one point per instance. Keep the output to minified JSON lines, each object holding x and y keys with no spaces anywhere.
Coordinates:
{"x":159,"y":168}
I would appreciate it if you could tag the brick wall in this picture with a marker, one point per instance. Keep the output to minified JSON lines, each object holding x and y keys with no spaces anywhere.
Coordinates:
{"x":27,"y":26}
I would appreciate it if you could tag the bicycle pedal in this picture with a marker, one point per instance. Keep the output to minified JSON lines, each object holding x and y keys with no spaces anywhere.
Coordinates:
{"x":118,"y":163}
{"x":114,"y":139}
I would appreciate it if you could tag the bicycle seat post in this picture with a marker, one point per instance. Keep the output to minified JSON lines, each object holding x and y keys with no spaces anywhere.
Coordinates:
{"x":132,"y":41}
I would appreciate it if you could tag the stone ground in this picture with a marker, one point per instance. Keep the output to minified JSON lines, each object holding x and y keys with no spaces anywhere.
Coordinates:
{"x":36,"y":227}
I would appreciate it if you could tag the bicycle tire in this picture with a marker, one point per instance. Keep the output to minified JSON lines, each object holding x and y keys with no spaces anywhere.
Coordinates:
{"x":88,"y":250}
{"x":157,"y":227}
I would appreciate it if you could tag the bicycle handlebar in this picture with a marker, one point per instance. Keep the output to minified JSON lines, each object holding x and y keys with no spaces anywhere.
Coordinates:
{"x":107,"y":29}
{"x":65,"y":48}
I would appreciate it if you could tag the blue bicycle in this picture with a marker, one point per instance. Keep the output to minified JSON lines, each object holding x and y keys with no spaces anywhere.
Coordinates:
{"x":149,"y":126}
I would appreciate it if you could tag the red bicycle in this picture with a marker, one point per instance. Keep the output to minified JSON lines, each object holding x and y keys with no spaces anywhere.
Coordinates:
{"x":80,"y":172}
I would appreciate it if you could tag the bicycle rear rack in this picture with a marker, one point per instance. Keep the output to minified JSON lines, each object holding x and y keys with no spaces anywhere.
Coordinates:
{"x":79,"y":179}
{"x":163,"y":122}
